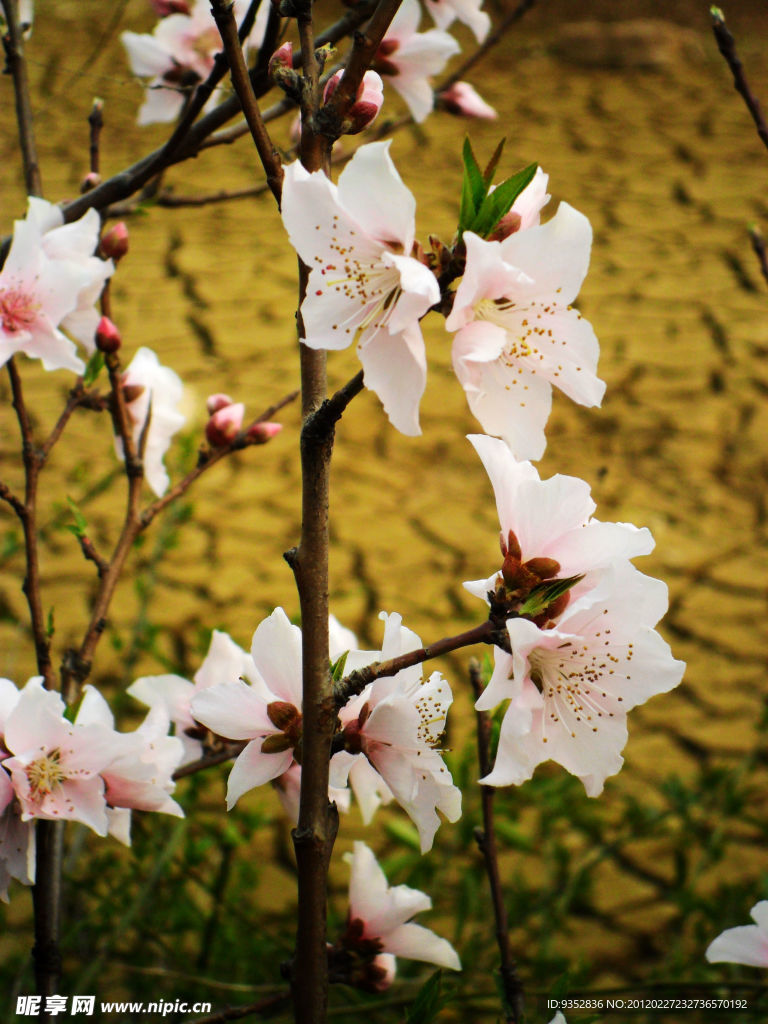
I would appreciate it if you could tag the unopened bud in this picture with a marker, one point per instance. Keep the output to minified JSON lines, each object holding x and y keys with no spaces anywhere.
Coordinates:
{"x":365,"y":109}
{"x":221,"y":429}
{"x":107,"y":337}
{"x":282,"y":714}
{"x":215,"y":402}
{"x":91,"y":180}
{"x":114,"y":243}
{"x":281,"y":58}
{"x":508,"y":225}
{"x":132,"y":391}
{"x":464,"y":101}
{"x":260,"y":433}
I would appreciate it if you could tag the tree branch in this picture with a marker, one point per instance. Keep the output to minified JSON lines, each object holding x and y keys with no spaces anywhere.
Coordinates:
{"x":494,"y":36}
{"x":727,"y":47}
{"x":270,"y":158}
{"x":488,"y":632}
{"x":485,"y":838}
{"x":13,"y":43}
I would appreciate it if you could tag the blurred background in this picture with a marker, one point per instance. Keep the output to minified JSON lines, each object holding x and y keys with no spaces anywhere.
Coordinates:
{"x":631,"y":111}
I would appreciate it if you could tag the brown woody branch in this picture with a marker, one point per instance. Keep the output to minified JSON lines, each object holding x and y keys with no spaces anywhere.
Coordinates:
{"x":268,"y":154}
{"x":485,"y":838}
{"x":727,"y":47}
{"x":13,"y":43}
{"x":488,"y":632}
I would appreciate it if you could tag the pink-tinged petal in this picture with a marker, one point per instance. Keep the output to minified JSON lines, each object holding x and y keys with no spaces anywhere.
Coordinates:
{"x":555,"y":255}
{"x":146,"y":55}
{"x":370,"y":789}
{"x":79,"y":238}
{"x":747,"y":944}
{"x":532,"y":200}
{"x":759,"y":914}
{"x":162,"y":104}
{"x":401,"y":904}
{"x":226,"y":662}
{"x":340,"y":639}
{"x":425,"y":53}
{"x":368,"y":889}
{"x":169,"y":692}
{"x":9,"y":697}
{"x":467,"y":11}
{"x":509,"y":403}
{"x":44,"y":215}
{"x":17,"y":851}
{"x":417,"y":943}
{"x":232,"y":710}
{"x":6,"y":790}
{"x":374,"y":194}
{"x":507,"y":475}
{"x":394,"y":722}
{"x":396,"y":370}
{"x":36,"y":720}
{"x":94,"y":710}
{"x":321,"y":230}
{"x":417,"y":93}
{"x":501,"y":686}
{"x":119,"y":819}
{"x":253,"y":768}
{"x":276,"y":652}
{"x":419,"y":291}
{"x":486,"y":276}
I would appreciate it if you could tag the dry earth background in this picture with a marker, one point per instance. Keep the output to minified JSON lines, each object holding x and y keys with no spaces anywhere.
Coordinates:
{"x":665,"y":162}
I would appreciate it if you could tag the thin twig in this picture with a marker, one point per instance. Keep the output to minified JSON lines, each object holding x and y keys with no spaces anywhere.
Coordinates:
{"x":96,"y":123}
{"x":487,"y":632}
{"x":211,"y":456}
{"x":13,"y":43}
{"x":363,"y":51}
{"x":727,"y":47}
{"x":6,"y":494}
{"x":226,"y":753}
{"x":485,"y":838}
{"x":270,"y":158}
{"x":74,"y":399}
{"x":31,"y":587}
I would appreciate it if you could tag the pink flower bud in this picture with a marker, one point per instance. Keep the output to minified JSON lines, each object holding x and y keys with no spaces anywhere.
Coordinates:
{"x":165,"y":7}
{"x":281,"y":59}
{"x":215,"y":402}
{"x":107,"y":336}
{"x":260,"y":433}
{"x":91,"y":180}
{"x":114,"y":243}
{"x":365,"y":109}
{"x":224,"y":424}
{"x":464,"y":101}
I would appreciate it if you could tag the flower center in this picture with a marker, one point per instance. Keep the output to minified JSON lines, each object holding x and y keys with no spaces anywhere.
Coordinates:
{"x":45,"y":774}
{"x":18,"y":310}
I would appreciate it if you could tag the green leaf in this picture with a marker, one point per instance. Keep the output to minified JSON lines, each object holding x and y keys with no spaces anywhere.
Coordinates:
{"x":497,"y":203}
{"x":473,"y":189}
{"x":94,"y":368}
{"x":80,"y":527}
{"x":493,"y":163}
{"x":428,"y":1002}
{"x":404,"y":833}
{"x":337,"y":667}
{"x":542,"y":596}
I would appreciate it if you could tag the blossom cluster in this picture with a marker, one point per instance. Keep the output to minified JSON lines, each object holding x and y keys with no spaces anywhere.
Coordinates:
{"x":179,"y":54}
{"x":85,"y":770}
{"x":581,"y":647}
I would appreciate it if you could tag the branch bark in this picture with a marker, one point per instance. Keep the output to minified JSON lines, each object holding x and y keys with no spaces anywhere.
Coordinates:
{"x":485,"y":838}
